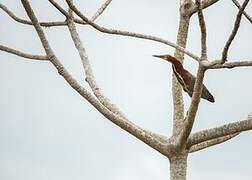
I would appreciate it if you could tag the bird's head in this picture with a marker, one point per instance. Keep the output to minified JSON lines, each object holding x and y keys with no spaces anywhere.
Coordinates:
{"x":167,"y":57}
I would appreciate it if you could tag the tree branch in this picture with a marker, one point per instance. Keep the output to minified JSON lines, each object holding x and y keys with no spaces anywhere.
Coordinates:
{"x":128,"y":126}
{"x":216,"y":64}
{"x":204,"y":4}
{"x":221,"y":131}
{"x":56,"y":23}
{"x":243,"y":12}
{"x":207,"y":3}
{"x":22,"y":54}
{"x":203,"y":30}
{"x":94,"y":17}
{"x":130,"y":34}
{"x":234,"y":32}
{"x":189,"y":120}
{"x":124,"y":33}
{"x":23,"y":21}
{"x":178,"y":102}
{"x":212,"y":142}
{"x":101,"y":10}
{"x":88,"y":69}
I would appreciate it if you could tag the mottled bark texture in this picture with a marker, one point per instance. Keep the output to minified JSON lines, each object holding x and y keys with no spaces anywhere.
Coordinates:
{"x":178,"y":163}
{"x":178,"y":167}
{"x":178,"y":103}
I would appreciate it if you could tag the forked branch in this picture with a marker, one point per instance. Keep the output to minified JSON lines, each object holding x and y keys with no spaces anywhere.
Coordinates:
{"x":244,"y":12}
{"x":212,"y":142}
{"x":216,"y":65}
{"x":23,"y":54}
{"x":221,"y":131}
{"x":87,"y":67}
{"x":56,"y":23}
{"x":99,"y":28}
{"x":127,"y":33}
{"x":234,"y":32}
{"x":204,"y":4}
{"x":128,"y":126}
{"x":189,"y":120}
{"x":23,"y":21}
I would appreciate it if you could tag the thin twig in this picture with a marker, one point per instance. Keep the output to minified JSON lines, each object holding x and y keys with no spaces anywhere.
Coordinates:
{"x":101,"y":10}
{"x":56,"y":23}
{"x":23,"y":21}
{"x":128,"y":126}
{"x":207,"y":3}
{"x":88,"y":69}
{"x":102,"y":29}
{"x":236,"y":3}
{"x":211,"y":143}
{"x":202,"y":29}
{"x":204,"y":4}
{"x":126,"y":33}
{"x":234,"y":32}
{"x":22,"y":54}
{"x":216,"y":64}
{"x":61,"y":10}
{"x":94,"y":17}
{"x":221,"y":131}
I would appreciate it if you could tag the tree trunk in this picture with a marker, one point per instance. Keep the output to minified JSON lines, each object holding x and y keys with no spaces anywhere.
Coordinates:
{"x":178,"y":162}
{"x":178,"y":103}
{"x":178,"y":167}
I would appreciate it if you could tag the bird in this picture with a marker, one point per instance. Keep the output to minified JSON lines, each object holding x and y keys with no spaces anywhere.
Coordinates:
{"x":185,"y":78}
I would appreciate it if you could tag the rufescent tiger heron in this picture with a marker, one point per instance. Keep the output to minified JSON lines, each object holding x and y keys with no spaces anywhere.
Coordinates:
{"x":185,"y":78}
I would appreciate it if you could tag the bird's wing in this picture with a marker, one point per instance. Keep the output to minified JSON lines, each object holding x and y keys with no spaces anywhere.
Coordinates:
{"x":189,"y":81}
{"x":179,"y":77}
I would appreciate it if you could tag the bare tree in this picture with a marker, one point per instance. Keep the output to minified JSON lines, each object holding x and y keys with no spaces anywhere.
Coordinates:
{"x":182,"y":142}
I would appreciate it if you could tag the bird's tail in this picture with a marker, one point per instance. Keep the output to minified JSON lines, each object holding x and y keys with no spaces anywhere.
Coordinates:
{"x":207,"y":95}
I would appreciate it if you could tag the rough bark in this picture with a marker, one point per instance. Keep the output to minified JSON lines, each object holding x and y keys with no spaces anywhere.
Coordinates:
{"x":178,"y":167}
{"x":178,"y":103}
{"x":178,"y":163}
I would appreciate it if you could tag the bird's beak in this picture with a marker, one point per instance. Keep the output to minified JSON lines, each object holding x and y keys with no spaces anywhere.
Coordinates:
{"x":160,"y":56}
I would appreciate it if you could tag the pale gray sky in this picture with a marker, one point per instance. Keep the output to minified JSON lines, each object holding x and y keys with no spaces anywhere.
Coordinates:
{"x":48,"y":132}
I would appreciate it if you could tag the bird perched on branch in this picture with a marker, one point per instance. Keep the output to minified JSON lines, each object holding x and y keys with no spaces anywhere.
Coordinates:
{"x":185,"y":78}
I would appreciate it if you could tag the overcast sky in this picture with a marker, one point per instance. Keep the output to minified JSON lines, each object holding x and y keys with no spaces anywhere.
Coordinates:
{"x":48,"y":131}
